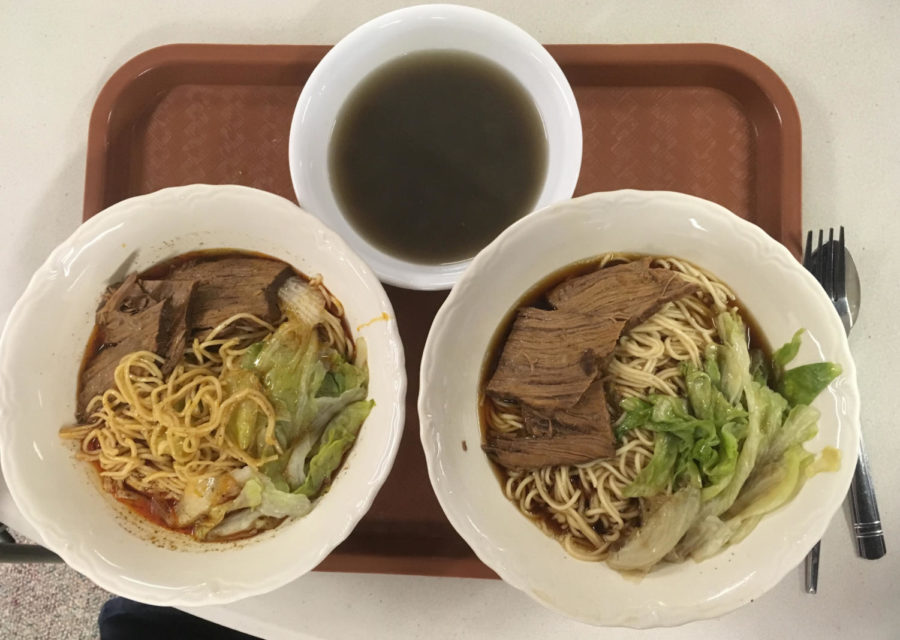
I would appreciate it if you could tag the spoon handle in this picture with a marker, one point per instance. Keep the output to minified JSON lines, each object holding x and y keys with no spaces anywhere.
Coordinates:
{"x":866,"y":520}
{"x":812,"y":569}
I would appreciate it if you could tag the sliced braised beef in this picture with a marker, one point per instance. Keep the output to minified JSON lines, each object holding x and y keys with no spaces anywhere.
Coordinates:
{"x":590,"y":413}
{"x":114,"y":298}
{"x":536,"y":423}
{"x":560,"y":448}
{"x":160,"y":315}
{"x":552,"y":363}
{"x":551,"y":358}
{"x":138,"y":315}
{"x":179,"y":295}
{"x":122,"y":331}
{"x":144,"y":325}
{"x":228,"y":286}
{"x":631,"y":292}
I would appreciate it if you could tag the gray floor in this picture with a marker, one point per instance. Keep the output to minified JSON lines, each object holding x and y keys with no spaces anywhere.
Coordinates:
{"x":48,"y":601}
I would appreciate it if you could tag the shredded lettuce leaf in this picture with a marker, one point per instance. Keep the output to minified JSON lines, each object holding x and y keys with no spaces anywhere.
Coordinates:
{"x":786,"y":353}
{"x":733,"y":438}
{"x":801,"y":385}
{"x":246,"y":421}
{"x":772,"y":485}
{"x":291,"y":371}
{"x":661,"y":531}
{"x":719,"y":476}
{"x":657,"y":475}
{"x":704,"y":433}
{"x":760,"y":367}
{"x":337,"y":439}
{"x":259,"y":501}
{"x":733,"y":356}
{"x":308,"y":383}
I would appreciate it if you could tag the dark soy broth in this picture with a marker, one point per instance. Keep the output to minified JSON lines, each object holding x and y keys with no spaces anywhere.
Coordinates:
{"x":435,"y":153}
{"x":535,"y":296}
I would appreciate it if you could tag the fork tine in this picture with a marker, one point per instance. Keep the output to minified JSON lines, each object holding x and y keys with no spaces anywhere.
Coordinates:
{"x":828,"y":282}
{"x":807,"y":252}
{"x":840,"y":279}
{"x":820,"y":260}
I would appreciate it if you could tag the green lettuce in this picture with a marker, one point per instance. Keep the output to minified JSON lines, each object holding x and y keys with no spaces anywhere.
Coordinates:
{"x":718,"y":476}
{"x":337,"y":439}
{"x":659,"y":472}
{"x":733,"y":437}
{"x":772,"y":485}
{"x":246,"y":424}
{"x":260,"y":500}
{"x":801,"y":385}
{"x":309,"y":384}
{"x":786,"y":353}
{"x":703,"y":433}
{"x":733,"y":356}
{"x":662,"y":529}
{"x":341,"y":377}
{"x":290,"y":368}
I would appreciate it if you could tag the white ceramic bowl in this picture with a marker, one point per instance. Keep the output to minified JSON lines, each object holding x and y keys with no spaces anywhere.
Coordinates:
{"x":780,"y":294}
{"x":396,"y":34}
{"x":40,"y":352}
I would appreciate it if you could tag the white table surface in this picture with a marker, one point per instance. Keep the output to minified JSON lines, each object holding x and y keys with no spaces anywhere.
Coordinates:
{"x":840,"y":61}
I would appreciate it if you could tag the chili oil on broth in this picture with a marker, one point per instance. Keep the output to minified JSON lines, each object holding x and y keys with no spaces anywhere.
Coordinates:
{"x":636,"y":449}
{"x":435,"y":153}
{"x":153,"y":509}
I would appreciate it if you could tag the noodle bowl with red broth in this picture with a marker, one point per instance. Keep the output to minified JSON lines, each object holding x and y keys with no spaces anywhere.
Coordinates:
{"x":220,"y":393}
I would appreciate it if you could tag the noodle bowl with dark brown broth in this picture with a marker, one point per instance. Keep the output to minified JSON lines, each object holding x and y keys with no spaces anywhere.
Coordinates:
{"x":634,"y":414}
{"x":607,"y":427}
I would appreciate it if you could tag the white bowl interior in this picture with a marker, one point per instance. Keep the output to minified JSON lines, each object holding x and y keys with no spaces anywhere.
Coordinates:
{"x":782,"y":297}
{"x":399,"y":33}
{"x":40,"y":354}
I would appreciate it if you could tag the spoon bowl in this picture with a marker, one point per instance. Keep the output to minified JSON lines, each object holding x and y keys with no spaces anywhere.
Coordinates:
{"x":853,"y":293}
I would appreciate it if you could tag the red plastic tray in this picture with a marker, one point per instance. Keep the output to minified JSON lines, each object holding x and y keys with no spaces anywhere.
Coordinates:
{"x":699,"y":118}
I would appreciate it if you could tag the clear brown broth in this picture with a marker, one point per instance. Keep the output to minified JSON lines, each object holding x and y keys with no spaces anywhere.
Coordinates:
{"x":435,"y":153}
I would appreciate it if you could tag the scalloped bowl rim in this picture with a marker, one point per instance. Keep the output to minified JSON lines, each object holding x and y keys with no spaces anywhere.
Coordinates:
{"x":514,"y":547}
{"x":370,"y":463}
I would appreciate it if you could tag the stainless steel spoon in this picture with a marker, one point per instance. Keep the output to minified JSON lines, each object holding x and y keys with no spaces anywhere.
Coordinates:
{"x":848,"y":305}
{"x":866,"y":519}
